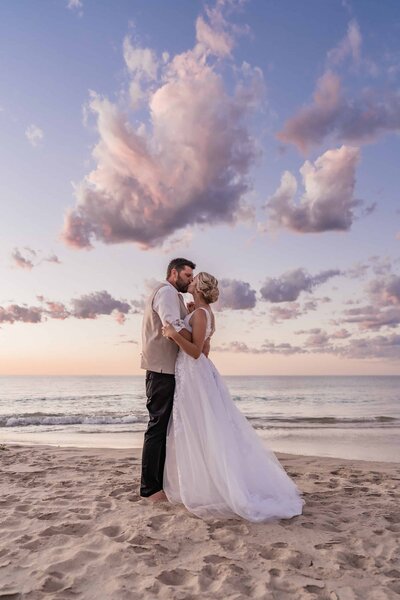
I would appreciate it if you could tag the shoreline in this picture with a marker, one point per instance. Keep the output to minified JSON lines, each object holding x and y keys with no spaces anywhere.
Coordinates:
{"x":335,"y":445}
{"x":73,"y":525}
{"x":137,"y":450}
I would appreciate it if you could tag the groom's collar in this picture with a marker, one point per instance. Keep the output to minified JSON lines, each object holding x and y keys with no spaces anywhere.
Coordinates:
{"x":173,"y":287}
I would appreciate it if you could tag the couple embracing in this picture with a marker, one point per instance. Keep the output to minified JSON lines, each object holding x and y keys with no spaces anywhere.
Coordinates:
{"x":199,"y":449}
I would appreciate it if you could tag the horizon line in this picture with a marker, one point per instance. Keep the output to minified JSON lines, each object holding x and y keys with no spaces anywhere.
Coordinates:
{"x":223,"y":375}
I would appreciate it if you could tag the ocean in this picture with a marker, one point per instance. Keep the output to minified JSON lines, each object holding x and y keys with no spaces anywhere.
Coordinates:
{"x":337,"y":416}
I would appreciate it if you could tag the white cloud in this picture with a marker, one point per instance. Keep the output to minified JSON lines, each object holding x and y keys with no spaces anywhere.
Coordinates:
{"x":75,"y":5}
{"x":34,"y":134}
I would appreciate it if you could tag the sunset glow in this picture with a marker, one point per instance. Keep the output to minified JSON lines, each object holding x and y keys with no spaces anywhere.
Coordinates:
{"x":258,"y":139}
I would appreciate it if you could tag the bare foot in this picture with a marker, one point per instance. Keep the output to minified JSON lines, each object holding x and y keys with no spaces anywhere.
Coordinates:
{"x":158,"y":497}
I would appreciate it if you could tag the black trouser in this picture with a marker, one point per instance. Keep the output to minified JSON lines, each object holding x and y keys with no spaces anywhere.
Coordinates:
{"x":160,"y":389}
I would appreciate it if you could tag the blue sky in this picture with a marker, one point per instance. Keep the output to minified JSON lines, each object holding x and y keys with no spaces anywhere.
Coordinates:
{"x":233,"y":95}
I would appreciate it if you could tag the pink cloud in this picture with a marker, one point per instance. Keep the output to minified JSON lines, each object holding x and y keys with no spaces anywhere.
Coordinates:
{"x":22,"y":262}
{"x":90,"y":306}
{"x":87,"y":306}
{"x":328,"y":201}
{"x":266,"y":348}
{"x":188,"y":165}
{"x":290,"y":311}
{"x":317,"y":340}
{"x":341,"y":334}
{"x":289,"y":286}
{"x":56,"y":310}
{"x":383,"y":309}
{"x":15,"y":313}
{"x":53,"y":259}
{"x":378,"y":347}
{"x":235,"y":295}
{"x":356,"y":121}
{"x":313,"y":123}
{"x":25,"y":259}
{"x":349,"y":46}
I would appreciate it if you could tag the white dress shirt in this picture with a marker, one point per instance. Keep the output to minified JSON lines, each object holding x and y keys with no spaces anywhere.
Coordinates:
{"x":166,"y":304}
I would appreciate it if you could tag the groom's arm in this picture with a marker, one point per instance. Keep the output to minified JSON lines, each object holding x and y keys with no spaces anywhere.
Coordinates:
{"x":195,"y":347}
{"x":166,"y":305}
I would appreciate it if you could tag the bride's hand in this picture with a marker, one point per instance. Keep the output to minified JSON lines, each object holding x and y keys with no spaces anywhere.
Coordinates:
{"x":190,"y":307}
{"x":168,"y":331}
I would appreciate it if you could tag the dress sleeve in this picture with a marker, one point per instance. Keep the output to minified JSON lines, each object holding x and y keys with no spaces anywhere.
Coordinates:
{"x":166,"y":305}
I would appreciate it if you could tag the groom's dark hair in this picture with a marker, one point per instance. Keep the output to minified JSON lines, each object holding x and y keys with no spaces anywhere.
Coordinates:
{"x":179,"y":264}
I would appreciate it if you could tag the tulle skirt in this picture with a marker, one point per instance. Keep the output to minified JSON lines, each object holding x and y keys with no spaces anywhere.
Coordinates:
{"x":216,"y":464}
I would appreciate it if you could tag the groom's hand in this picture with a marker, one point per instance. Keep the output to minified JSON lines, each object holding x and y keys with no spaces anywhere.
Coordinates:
{"x":206,"y":347}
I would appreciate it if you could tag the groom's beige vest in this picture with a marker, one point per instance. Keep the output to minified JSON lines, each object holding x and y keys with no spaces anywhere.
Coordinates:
{"x":158,"y":353}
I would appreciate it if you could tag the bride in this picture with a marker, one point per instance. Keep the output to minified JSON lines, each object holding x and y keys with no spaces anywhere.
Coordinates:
{"x":216,"y":464}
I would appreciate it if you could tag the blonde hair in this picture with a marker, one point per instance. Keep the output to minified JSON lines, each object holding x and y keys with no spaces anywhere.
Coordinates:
{"x":207,"y":285}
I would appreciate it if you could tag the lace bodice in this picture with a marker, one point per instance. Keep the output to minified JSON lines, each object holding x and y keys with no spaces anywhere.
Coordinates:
{"x":209,"y":328}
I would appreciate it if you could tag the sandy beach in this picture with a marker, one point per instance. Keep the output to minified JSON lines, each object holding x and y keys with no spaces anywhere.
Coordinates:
{"x":72,"y":525}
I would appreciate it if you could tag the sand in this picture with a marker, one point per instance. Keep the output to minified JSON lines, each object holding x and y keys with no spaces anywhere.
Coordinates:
{"x":72,"y":526}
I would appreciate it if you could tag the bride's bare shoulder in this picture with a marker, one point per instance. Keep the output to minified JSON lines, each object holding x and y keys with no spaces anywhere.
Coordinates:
{"x":197,"y":316}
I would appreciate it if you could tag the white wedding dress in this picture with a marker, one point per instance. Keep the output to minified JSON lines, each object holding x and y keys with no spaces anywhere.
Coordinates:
{"x":216,"y":464}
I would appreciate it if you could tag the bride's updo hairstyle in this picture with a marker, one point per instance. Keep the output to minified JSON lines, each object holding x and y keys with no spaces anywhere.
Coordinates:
{"x":207,"y":285}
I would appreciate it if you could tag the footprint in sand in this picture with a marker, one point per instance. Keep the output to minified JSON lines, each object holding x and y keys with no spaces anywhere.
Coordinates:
{"x":47,"y":516}
{"x":52,"y":583}
{"x":327,"y":545}
{"x":140,"y":549}
{"x":227,"y":538}
{"x":393,"y":517}
{"x":121,"y":491}
{"x":112,"y":531}
{"x":280,"y":545}
{"x":348,"y":560}
{"x":160,"y":521}
{"x":394,"y":573}
{"x":215,"y":559}
{"x":77,"y":562}
{"x":22,"y":508}
{"x":395,"y":587}
{"x":102,"y":505}
{"x":33,"y":545}
{"x":282,"y":553}
{"x":141,"y":540}
{"x":23,"y":539}
{"x":175,"y":577}
{"x":74,"y":529}
{"x":274,"y":553}
{"x":314,"y":589}
{"x":333,"y":484}
{"x":307,"y":525}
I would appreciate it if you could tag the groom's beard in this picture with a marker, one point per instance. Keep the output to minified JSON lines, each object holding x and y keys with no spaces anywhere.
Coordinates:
{"x":181,"y":286}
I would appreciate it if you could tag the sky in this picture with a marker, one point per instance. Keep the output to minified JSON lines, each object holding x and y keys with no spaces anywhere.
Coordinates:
{"x":259,"y":139}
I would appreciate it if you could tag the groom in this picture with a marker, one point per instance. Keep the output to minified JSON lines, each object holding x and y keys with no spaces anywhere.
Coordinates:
{"x":165,"y":305}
